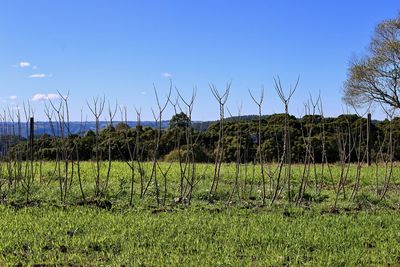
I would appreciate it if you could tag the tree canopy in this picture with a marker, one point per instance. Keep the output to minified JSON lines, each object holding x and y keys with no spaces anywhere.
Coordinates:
{"x":376,"y":76}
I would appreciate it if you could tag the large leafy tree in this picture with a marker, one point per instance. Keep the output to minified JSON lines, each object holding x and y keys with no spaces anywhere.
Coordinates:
{"x":180,"y":120}
{"x":376,"y":77}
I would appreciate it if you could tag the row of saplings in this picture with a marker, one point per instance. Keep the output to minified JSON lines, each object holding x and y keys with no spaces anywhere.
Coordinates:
{"x":280,"y":139}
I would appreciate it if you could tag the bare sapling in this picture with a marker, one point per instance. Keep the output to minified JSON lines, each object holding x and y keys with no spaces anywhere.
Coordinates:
{"x":68,"y":146}
{"x":287,"y":153}
{"x":30,"y":170}
{"x":189,"y":169}
{"x":259,"y":103}
{"x":361,"y":149}
{"x":275,"y":174}
{"x":379,"y":158}
{"x":13,"y":160}
{"x":219,"y":153}
{"x":164,"y":174}
{"x":5,"y":138}
{"x":345,"y":147}
{"x":307,"y":128}
{"x":20,"y":152}
{"x":66,"y":149}
{"x":77,"y":143}
{"x":138,"y":152}
{"x":388,"y":156}
{"x":97,"y":109}
{"x":131,"y":147}
{"x":54,"y":129}
{"x":111,"y":114}
{"x":158,"y":120}
{"x":274,"y":171}
{"x":236,"y":189}
{"x":324,"y":156}
{"x":178,"y":147}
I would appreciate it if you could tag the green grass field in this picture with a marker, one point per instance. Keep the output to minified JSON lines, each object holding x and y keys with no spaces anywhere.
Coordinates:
{"x":364,"y":231}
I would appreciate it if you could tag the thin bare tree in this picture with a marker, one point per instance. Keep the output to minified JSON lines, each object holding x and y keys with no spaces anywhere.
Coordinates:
{"x":238,"y":153}
{"x":158,"y":120}
{"x":97,"y":109}
{"x":307,"y":129}
{"x":260,"y":154}
{"x":111,"y":114}
{"x":219,"y":155}
{"x":287,"y":153}
{"x":190,"y":161}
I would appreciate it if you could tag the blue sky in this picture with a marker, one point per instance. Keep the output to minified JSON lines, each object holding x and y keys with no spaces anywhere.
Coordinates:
{"x":120,"y":48}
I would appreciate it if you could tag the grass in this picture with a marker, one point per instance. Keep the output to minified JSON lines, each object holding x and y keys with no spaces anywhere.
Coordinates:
{"x":197,"y":237}
{"x":363,"y":232}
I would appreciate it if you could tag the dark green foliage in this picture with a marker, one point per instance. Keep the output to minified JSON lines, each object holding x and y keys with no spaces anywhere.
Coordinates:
{"x":199,"y":155}
{"x":122,"y":135}
{"x":180,"y":121}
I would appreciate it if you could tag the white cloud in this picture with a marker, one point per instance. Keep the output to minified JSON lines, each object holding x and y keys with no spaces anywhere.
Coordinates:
{"x":13,"y":97}
{"x":43,"y":97}
{"x":39,"y":97}
{"x":34,"y":67}
{"x":39,"y":75}
{"x":166,"y":75}
{"x":24,"y":64}
{"x":53,"y":96}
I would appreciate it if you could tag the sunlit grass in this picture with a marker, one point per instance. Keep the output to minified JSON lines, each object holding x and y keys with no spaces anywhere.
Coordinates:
{"x":365,"y":231}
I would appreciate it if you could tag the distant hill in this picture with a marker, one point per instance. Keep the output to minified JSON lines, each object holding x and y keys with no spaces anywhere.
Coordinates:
{"x":44,"y":127}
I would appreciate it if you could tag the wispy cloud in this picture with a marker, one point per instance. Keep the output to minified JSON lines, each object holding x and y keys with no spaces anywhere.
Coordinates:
{"x":13,"y":97}
{"x":54,"y":96}
{"x":166,"y":75}
{"x":43,"y":97}
{"x":24,"y":64}
{"x":39,"y":75}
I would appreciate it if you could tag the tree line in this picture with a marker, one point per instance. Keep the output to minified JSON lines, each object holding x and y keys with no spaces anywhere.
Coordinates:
{"x":115,"y":139}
